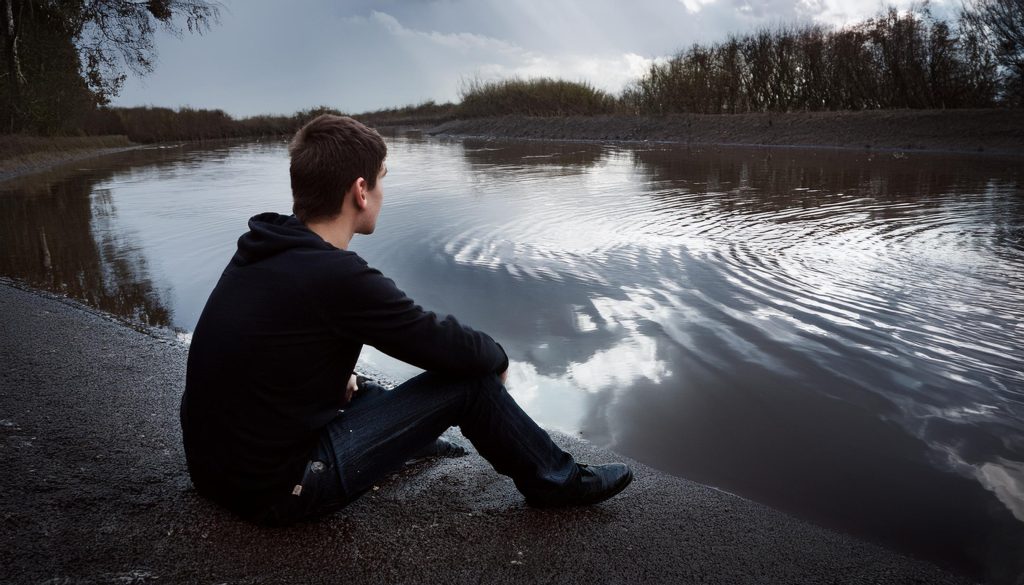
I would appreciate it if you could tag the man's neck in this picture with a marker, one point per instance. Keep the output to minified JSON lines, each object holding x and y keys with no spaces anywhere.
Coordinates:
{"x":336,"y":231}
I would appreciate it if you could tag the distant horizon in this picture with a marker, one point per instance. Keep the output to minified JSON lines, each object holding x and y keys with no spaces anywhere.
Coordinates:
{"x":269,"y":114}
{"x":369,"y":56}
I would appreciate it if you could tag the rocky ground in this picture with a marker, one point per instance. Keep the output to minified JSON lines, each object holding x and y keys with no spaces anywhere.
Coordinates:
{"x":95,"y":490}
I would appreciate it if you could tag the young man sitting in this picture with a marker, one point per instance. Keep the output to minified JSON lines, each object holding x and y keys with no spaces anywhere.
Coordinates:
{"x":276,"y":426}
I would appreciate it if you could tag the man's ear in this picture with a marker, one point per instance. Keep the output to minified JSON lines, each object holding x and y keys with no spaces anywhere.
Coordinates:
{"x":359,"y":193}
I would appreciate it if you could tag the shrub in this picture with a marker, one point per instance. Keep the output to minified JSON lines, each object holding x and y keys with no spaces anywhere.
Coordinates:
{"x":533,"y":97}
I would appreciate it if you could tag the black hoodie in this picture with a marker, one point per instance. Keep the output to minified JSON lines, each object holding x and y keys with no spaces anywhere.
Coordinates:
{"x":274,"y":349}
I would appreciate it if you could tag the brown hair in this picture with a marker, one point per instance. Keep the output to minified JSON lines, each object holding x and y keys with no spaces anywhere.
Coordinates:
{"x":327,"y":155}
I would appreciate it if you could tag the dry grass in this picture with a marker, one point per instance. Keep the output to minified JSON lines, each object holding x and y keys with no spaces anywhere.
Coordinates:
{"x":541,"y":97}
{"x":426,"y":113}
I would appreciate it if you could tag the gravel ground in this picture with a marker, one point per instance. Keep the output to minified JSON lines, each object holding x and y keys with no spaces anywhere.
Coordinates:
{"x":94,"y":490}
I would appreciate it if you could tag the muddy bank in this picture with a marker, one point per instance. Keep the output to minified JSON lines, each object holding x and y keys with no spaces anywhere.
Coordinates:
{"x":987,"y":131}
{"x":95,"y":490}
{"x":21,"y":156}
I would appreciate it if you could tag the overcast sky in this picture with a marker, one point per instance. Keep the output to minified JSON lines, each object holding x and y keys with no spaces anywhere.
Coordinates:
{"x":272,"y":56}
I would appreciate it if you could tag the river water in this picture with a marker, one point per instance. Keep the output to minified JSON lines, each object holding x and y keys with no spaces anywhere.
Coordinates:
{"x":836,"y":334}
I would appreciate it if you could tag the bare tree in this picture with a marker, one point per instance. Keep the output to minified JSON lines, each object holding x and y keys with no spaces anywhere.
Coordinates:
{"x":1001,"y":22}
{"x":812,"y":80}
{"x":9,"y":32}
{"x":756,"y":50}
{"x":114,"y":35}
{"x":979,"y":69}
{"x":732,"y":76}
{"x":896,"y":60}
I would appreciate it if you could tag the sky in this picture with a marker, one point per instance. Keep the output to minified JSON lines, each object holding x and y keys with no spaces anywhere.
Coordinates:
{"x":277,"y":57}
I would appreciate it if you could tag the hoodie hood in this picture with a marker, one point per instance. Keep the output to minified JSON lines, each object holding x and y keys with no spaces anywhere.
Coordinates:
{"x":272,"y":233}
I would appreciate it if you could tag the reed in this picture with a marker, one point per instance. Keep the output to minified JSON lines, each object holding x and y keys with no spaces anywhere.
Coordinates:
{"x":542,"y":97}
{"x":428,"y":112}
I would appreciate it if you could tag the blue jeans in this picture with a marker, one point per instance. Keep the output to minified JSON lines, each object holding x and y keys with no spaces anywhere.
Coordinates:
{"x":382,"y":429}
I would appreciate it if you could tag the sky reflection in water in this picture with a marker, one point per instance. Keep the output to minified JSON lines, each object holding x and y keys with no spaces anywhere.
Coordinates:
{"x":833,"y":333}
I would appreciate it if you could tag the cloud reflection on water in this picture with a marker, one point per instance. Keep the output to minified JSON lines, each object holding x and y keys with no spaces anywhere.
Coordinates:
{"x":1006,"y":479}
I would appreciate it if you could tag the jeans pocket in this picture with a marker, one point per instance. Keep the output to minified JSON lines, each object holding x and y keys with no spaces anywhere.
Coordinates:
{"x":306,"y":497}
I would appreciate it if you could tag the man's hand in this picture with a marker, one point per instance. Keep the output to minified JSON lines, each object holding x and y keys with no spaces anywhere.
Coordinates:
{"x":350,"y":388}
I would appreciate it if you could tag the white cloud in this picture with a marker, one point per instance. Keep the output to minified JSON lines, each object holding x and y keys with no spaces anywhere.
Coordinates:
{"x":461,"y":41}
{"x":695,"y":6}
{"x":845,"y":12}
{"x":487,"y":58}
{"x":610,"y":73}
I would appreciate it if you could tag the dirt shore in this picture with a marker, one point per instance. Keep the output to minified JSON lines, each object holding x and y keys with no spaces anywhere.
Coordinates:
{"x":985,"y":131}
{"x":23,"y":156}
{"x":95,"y":490}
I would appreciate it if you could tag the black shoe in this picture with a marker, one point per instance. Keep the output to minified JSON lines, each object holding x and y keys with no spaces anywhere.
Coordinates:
{"x":593,"y":484}
{"x":440,"y":448}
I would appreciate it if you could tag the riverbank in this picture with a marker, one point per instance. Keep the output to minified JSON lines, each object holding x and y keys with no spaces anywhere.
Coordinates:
{"x":24,"y":155}
{"x":95,"y":491}
{"x":969,"y":131}
{"x":988,"y":131}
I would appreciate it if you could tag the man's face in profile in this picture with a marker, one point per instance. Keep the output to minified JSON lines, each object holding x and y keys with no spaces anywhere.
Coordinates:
{"x":374,"y":201}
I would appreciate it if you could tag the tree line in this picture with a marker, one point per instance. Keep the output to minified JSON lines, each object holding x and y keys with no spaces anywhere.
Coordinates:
{"x":157,"y":124}
{"x":895,"y":60}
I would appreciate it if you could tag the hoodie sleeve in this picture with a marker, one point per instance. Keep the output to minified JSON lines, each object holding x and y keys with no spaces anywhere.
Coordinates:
{"x":369,"y":308}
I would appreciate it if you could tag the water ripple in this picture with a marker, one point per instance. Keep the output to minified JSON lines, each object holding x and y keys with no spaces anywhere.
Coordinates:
{"x":917,"y":281}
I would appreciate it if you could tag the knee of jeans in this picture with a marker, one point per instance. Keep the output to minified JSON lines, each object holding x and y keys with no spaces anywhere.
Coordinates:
{"x":484,"y":382}
{"x":490,"y":383}
{"x":471,"y":388}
